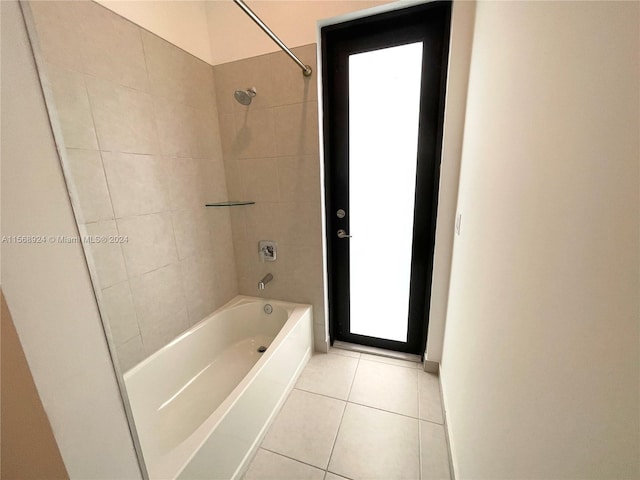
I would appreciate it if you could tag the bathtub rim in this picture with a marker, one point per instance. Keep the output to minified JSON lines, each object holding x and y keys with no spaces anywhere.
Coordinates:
{"x":167,"y":467}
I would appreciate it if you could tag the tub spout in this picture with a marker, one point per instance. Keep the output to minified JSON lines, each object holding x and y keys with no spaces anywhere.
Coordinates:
{"x":267,"y":278}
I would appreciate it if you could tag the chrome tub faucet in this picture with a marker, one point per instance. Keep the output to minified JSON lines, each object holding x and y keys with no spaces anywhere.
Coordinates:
{"x":267,"y":278}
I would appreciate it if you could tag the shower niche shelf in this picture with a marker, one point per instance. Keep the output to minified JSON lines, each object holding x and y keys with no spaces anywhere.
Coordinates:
{"x":229,"y":204}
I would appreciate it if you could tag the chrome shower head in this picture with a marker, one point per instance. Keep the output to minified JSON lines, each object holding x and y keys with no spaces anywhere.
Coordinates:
{"x":244,"y":97}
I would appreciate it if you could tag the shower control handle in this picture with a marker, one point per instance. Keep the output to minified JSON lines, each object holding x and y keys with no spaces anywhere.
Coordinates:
{"x":343,"y":234}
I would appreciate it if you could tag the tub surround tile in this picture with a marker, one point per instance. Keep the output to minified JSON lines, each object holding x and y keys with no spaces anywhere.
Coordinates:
{"x":89,"y":186}
{"x":434,"y":452}
{"x":192,"y":231}
{"x":139,"y":184}
{"x":72,"y":107}
{"x":187,"y":187}
{"x":388,"y":387}
{"x":123,"y":117}
{"x":267,"y":465}
{"x":140,"y":124}
{"x":175,"y":74}
{"x":121,"y":314}
{"x":374,"y":444}
{"x":261,"y":179}
{"x":130,"y":353}
{"x":296,"y":128}
{"x":111,"y":47}
{"x":255,"y":132}
{"x":59,"y":33}
{"x":305,"y":428}
{"x":151,"y":242}
{"x":160,"y":306}
{"x":291,"y":85}
{"x":198,"y":280}
{"x":107,"y":255}
{"x":328,"y":374}
{"x":299,"y":178}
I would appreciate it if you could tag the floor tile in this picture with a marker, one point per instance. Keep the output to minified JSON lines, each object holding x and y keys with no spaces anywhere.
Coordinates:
{"x":390,"y":361}
{"x":305,"y":428}
{"x":271,"y":466}
{"x":333,"y":476}
{"x":429,"y":397}
{"x":434,"y":454}
{"x":373,"y":444}
{"x":388,"y":387}
{"x":328,"y":374}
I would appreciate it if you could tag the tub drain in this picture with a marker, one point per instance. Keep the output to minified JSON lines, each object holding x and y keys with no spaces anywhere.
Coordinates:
{"x":262,"y":349}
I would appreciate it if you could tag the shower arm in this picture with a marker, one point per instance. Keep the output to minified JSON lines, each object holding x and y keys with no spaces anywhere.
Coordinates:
{"x":306,"y":69}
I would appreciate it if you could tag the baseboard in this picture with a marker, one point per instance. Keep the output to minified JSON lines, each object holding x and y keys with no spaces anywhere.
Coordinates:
{"x":431,"y":367}
{"x":446,"y":424}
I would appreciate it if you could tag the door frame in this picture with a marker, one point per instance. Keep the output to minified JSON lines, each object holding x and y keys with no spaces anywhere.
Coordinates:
{"x":429,"y":152}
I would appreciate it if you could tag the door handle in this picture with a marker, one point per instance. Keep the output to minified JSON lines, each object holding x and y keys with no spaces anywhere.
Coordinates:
{"x":343,"y":234}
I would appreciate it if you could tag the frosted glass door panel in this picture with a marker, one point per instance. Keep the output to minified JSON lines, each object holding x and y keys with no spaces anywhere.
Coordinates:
{"x":384,"y":107}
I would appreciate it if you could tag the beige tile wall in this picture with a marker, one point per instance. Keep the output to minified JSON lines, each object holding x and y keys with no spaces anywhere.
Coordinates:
{"x":271,"y":156}
{"x":142,"y":153}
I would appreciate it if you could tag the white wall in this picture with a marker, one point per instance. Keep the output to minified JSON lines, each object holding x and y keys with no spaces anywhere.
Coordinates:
{"x":47,"y":286}
{"x":462,"y":18}
{"x":541,"y":357}
{"x":183,"y":23}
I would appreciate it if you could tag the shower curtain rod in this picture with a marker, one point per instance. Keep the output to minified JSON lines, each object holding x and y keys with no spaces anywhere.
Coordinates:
{"x":306,"y":69}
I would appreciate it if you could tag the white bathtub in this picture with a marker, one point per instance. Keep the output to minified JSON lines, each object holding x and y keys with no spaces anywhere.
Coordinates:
{"x":202,"y":403}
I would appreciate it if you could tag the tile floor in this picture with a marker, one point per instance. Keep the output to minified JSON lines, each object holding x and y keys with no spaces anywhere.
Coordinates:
{"x":357,"y":416}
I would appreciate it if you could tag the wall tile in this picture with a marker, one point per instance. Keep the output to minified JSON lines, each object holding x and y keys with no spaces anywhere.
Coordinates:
{"x":123,"y":117}
{"x":111,"y":47}
{"x":138,"y":184}
{"x":292,"y":85}
{"x":151,"y":242}
{"x":265,"y":220}
{"x":177,"y":75}
{"x":207,"y":134}
{"x":299,"y":178}
{"x":215,"y":181}
{"x":89,"y":186}
{"x":296,"y":128}
{"x":197,"y":274}
{"x":117,"y":303}
{"x":130,"y":353}
{"x":252,"y":72}
{"x":301,"y":224}
{"x":186,"y":186}
{"x":160,"y":306}
{"x":107,"y":256}
{"x":72,"y":106}
{"x":175,"y":122}
{"x":261,"y":179}
{"x":255,"y":133}
{"x":227,"y":127}
{"x":59,"y":33}
{"x":192,"y":233}
{"x":165,"y":64}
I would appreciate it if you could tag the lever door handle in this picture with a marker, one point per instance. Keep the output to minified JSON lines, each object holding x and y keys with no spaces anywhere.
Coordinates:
{"x":343,"y":234}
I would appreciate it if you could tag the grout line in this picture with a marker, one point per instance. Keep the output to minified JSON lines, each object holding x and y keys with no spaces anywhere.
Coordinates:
{"x":290,"y":458}
{"x":342,"y":417}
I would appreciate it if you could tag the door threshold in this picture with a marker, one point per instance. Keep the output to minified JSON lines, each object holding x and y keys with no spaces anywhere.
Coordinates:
{"x":381,"y":352}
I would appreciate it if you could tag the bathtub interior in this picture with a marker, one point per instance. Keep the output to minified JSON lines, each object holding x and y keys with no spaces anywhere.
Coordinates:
{"x":179,"y":393}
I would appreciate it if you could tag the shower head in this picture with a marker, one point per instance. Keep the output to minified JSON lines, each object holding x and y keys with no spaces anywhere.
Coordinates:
{"x":245,"y":96}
